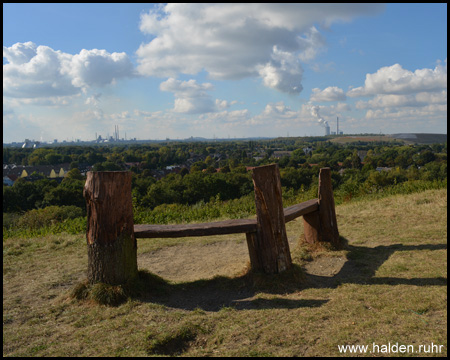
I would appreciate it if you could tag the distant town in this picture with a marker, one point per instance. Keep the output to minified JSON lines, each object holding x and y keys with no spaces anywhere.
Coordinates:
{"x":419,"y":138}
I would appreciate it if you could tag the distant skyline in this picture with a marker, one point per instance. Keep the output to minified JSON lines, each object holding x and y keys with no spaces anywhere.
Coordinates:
{"x":222,"y":70}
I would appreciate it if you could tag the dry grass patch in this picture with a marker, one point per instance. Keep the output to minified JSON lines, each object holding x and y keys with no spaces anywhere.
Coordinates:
{"x":388,"y":285}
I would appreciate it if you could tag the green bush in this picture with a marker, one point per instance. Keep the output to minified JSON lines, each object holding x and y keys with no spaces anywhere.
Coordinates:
{"x":34,"y":219}
{"x":41,"y":222}
{"x":10,"y":219}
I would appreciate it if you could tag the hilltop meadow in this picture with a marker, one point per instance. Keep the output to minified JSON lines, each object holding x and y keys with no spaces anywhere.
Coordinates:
{"x":197,"y":297}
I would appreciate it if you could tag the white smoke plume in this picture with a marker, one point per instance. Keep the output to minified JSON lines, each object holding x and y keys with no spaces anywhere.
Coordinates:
{"x":315,"y":113}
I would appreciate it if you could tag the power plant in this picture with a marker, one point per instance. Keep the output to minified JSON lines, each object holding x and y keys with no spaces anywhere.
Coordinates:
{"x":315,"y":113}
{"x":115,"y":137}
{"x":327,"y":127}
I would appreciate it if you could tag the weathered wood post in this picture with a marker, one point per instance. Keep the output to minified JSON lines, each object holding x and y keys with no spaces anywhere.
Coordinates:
{"x":311,"y":227}
{"x":112,"y":248}
{"x":327,"y":214}
{"x":270,"y":245}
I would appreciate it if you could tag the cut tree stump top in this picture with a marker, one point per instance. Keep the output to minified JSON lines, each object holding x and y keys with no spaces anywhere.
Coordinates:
{"x":218,"y":227}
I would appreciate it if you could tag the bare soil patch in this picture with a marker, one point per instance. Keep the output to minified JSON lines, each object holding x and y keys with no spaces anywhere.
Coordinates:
{"x":196,"y":261}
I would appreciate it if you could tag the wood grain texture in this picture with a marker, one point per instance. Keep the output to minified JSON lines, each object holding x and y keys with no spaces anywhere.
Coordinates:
{"x":272,"y":245}
{"x":112,"y":249}
{"x":201,"y":229}
{"x":328,"y":224}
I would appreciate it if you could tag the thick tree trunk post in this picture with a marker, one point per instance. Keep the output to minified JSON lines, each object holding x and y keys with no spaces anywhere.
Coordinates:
{"x":311,"y":227}
{"x":328,"y":224}
{"x":271,"y":245}
{"x":112,"y":248}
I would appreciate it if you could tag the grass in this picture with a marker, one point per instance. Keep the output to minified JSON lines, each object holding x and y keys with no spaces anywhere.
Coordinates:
{"x":66,"y":219}
{"x":389,"y":285}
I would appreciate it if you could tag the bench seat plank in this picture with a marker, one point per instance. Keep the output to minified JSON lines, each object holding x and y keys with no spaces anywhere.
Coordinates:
{"x":202,"y":229}
{"x":294,"y":211}
{"x":234,"y":226}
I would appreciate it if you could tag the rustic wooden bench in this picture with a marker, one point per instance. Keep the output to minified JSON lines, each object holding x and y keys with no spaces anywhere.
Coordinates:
{"x":111,"y":234}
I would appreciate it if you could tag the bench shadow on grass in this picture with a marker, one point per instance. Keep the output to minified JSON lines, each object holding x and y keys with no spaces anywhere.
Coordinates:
{"x":220,"y":291}
{"x":363,"y":262}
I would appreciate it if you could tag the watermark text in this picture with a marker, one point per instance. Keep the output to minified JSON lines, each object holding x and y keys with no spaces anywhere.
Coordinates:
{"x":389,"y":348}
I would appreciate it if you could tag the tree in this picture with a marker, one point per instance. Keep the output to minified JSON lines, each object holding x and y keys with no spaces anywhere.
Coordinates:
{"x":347,"y":163}
{"x":69,"y":192}
{"x":356,"y":161}
{"x":73,"y":174}
{"x":53,"y":158}
{"x":209,"y":161}
{"x":11,"y":200}
{"x":425,"y":157}
{"x":28,"y":194}
{"x":210,"y":170}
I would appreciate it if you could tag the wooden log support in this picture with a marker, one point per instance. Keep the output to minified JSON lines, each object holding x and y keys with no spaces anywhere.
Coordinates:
{"x":255,"y":262}
{"x":311,"y":227}
{"x":271,"y":246}
{"x":112,"y":250}
{"x":327,"y":214}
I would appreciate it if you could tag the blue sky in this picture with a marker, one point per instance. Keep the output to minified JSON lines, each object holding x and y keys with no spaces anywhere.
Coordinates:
{"x":225,"y":70}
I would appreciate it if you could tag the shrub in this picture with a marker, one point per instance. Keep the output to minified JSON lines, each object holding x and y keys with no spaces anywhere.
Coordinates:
{"x":50,"y":215}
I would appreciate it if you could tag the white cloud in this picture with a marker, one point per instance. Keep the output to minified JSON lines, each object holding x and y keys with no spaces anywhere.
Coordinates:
{"x":331,"y":93}
{"x":396,"y":80}
{"x":41,"y":72}
{"x":94,"y":99}
{"x":223,"y":104}
{"x":283,"y":72}
{"x":414,"y":100}
{"x":190,"y":97}
{"x":230,"y":118}
{"x":404,"y":99}
{"x":20,"y":53}
{"x":232,"y":41}
{"x":311,"y":44}
{"x":35,"y":72}
{"x":409,"y":116}
{"x":97,"y":68}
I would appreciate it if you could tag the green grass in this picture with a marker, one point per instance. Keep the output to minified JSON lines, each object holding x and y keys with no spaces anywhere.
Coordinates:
{"x":390,"y":287}
{"x":66,"y":219}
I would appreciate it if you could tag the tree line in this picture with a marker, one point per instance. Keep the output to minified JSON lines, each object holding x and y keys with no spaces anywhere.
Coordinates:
{"x":200,"y":180}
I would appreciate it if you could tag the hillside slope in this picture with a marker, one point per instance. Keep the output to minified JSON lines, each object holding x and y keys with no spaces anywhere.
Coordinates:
{"x":388,"y":286}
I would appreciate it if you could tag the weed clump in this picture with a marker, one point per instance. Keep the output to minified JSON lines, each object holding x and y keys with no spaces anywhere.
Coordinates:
{"x":111,"y":295}
{"x":289,"y":280}
{"x":307,"y":252}
{"x":80,"y":291}
{"x":144,"y":284}
{"x":100,"y":293}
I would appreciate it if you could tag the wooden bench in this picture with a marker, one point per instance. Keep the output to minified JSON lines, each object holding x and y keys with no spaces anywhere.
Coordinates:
{"x":111,"y":234}
{"x":219,"y":227}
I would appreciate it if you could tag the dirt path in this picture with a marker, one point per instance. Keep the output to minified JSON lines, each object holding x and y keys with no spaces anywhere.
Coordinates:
{"x":196,"y":261}
{"x":182,"y":263}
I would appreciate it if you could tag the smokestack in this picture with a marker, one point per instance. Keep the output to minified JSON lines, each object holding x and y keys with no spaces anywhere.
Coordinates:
{"x":337,"y":128}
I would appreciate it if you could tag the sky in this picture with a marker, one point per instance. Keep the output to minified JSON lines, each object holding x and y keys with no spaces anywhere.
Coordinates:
{"x":157,"y":71}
